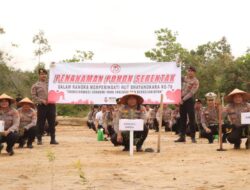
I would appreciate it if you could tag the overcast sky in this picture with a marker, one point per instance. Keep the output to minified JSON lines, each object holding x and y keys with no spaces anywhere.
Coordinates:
{"x":118,"y":30}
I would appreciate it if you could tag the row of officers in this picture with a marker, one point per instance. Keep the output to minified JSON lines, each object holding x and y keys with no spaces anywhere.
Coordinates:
{"x":206,"y":118}
{"x":22,"y":125}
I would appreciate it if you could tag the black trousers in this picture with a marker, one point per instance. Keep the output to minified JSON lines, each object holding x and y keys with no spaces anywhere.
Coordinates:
{"x":90,"y":125}
{"x":29,"y":134}
{"x":210,"y":136}
{"x":10,"y":139}
{"x":187,"y":109}
{"x":176,"y":127}
{"x":46,"y":112}
{"x":237,"y":133}
{"x":139,"y":135}
{"x":165,"y":124}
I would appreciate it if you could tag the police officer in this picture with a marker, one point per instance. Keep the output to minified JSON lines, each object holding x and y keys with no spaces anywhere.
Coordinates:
{"x":209,"y":118}
{"x":10,"y":117}
{"x":28,"y":118}
{"x":131,"y":109}
{"x":190,"y":85}
{"x":175,"y":119}
{"x":237,"y":104}
{"x":45,"y":110}
{"x":166,"y":118}
{"x":198,"y":112}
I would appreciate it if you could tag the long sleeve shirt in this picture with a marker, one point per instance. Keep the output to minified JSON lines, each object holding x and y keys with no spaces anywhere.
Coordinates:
{"x":27,"y":118}
{"x":11,"y":119}
{"x":125,"y":112}
{"x":189,"y":87}
{"x":209,"y":116}
{"x":39,"y":92}
{"x":233,"y":112}
{"x":166,"y":115}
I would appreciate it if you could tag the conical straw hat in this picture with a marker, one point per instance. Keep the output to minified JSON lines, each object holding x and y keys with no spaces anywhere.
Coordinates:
{"x":245,"y":95}
{"x":27,"y":101}
{"x":124,"y":99}
{"x":5,"y":96}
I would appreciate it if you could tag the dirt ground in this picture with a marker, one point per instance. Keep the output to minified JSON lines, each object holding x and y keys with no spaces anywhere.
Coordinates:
{"x":103,"y":166}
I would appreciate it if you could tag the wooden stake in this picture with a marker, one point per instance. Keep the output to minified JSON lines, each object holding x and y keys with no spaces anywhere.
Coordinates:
{"x":160,"y":126}
{"x":220,"y":123}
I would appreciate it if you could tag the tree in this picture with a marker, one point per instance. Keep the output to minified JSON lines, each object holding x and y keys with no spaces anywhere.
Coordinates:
{"x":167,"y":49}
{"x":236,"y":75}
{"x":80,"y":56}
{"x":42,"y":45}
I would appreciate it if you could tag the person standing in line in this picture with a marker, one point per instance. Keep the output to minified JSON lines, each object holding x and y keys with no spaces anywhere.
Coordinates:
{"x":190,"y":85}
{"x":45,"y":110}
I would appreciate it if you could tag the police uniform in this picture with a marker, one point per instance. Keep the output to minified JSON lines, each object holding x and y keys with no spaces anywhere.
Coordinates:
{"x":176,"y":120}
{"x":209,"y":119}
{"x":91,"y":118}
{"x":39,"y":92}
{"x":189,"y":88}
{"x":27,"y":127}
{"x":166,"y":118}
{"x":233,"y":112}
{"x":11,"y":120}
{"x":126,"y":112}
{"x":153,"y":123}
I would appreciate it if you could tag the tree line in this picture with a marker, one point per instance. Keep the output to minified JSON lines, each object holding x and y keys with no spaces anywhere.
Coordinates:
{"x":217,"y":69}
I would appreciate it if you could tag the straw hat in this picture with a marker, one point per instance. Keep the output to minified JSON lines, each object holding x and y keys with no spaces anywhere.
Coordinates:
{"x":245,"y":95}
{"x":27,"y":101}
{"x":7,"y":97}
{"x":124,"y":99}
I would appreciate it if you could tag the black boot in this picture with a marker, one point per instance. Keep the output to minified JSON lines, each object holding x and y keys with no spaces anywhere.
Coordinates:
{"x":21,"y":143}
{"x":193,"y":140}
{"x":126,"y":148}
{"x":29,"y":144}
{"x":181,"y":139}
{"x":53,"y":140}
{"x":10,"y":151}
{"x":139,"y":148}
{"x":237,"y":145}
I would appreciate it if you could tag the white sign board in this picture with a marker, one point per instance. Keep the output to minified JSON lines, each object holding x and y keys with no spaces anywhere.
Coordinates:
{"x":1,"y":126}
{"x":245,"y":118}
{"x":131,"y":124}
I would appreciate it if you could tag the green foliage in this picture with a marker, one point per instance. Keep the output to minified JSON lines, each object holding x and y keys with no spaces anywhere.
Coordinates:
{"x":51,"y":156}
{"x":72,"y":110}
{"x":217,"y":70}
{"x":80,"y":56}
{"x":167,"y":49}
{"x":79,"y":167}
{"x":42,"y":44}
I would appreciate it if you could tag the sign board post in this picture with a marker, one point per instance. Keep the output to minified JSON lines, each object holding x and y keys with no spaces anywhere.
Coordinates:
{"x":131,"y":125}
{"x":245,"y":120}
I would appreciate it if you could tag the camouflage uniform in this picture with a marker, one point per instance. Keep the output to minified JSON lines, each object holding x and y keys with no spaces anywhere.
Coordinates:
{"x":27,"y":127}
{"x":11,"y":123}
